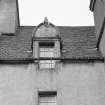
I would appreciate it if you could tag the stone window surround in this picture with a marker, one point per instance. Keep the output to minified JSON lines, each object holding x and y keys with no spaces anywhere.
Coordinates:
{"x":47,"y":97}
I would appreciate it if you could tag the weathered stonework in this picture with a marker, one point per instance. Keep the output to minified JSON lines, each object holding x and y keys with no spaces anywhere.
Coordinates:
{"x":76,"y":84}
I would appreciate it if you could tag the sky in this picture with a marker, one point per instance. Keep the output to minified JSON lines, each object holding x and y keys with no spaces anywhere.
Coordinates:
{"x":58,"y":12}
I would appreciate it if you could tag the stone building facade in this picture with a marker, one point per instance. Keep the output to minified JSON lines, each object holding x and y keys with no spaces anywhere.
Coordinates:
{"x":48,"y":64}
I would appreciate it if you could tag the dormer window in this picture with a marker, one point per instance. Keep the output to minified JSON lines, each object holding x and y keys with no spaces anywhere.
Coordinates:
{"x":46,"y":51}
{"x":46,"y":45}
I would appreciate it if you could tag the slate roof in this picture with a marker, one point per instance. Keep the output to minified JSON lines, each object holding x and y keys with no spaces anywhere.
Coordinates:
{"x":77,"y":42}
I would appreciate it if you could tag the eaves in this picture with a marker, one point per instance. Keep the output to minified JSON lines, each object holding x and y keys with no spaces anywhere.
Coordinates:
{"x":70,"y":60}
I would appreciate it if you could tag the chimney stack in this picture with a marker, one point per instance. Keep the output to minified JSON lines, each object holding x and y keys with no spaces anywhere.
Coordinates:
{"x":9,"y":16}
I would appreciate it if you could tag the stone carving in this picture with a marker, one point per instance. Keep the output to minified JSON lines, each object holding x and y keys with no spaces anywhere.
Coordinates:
{"x":46,"y":29}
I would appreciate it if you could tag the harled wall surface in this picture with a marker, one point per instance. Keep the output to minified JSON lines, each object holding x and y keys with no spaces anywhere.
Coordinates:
{"x":76,"y":84}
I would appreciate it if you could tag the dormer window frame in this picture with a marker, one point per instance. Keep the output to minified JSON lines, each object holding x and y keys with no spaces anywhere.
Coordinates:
{"x":46,"y":47}
{"x":57,"y":51}
{"x":46,"y":32}
{"x":49,"y":63}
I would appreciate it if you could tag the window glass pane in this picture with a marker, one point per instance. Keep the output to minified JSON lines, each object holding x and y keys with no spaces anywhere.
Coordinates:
{"x":48,"y":44}
{"x":47,"y":103}
{"x":53,"y":103}
{"x":44,"y":66}
{"x":47,"y":64}
{"x":46,"y":52}
{"x":48,"y":99}
{"x":46,"y":49}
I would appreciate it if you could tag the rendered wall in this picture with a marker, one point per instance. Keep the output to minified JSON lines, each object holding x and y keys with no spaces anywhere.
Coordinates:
{"x":76,"y":84}
{"x":8,"y":16}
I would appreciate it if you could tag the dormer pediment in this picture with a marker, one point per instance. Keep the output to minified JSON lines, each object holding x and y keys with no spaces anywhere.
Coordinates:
{"x":46,"y":29}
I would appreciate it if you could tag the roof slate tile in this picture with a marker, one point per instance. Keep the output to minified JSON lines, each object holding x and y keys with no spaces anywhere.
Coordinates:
{"x":77,"y":42}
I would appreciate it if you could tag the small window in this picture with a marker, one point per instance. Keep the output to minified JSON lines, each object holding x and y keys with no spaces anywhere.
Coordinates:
{"x":46,"y":50}
{"x":47,"y":98}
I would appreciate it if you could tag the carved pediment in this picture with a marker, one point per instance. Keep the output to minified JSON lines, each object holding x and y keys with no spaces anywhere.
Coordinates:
{"x":46,"y":29}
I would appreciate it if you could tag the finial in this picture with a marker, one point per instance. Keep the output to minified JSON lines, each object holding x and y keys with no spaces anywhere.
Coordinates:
{"x":46,"y":22}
